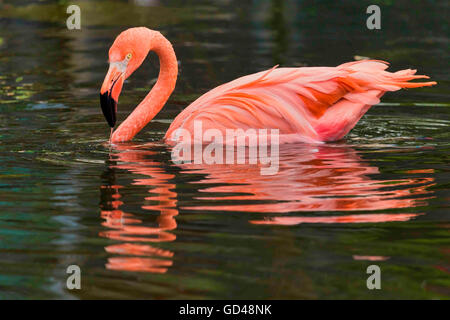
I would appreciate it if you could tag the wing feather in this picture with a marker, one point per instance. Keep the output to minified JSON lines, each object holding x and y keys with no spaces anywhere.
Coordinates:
{"x":295,"y":100}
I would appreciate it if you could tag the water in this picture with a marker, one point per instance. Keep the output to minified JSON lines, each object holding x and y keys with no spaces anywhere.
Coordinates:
{"x":140,"y":226}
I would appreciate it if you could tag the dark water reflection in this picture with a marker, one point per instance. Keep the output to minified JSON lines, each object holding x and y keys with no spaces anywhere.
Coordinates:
{"x":140,"y":226}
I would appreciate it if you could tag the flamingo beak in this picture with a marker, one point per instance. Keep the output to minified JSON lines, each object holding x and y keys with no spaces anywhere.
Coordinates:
{"x":110,"y":91}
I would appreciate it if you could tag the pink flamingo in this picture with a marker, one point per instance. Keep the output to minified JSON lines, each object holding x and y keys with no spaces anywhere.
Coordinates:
{"x":305,"y":104}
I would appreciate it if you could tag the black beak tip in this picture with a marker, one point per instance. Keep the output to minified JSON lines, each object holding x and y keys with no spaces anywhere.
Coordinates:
{"x":109,"y":108}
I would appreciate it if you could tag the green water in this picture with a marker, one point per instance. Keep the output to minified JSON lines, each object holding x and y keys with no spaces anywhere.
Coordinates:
{"x":140,"y":226}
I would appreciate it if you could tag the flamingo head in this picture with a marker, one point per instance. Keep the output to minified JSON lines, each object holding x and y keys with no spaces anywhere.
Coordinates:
{"x":125,"y":55}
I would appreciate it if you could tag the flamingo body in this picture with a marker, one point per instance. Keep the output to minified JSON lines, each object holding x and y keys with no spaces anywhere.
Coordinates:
{"x":311,"y":104}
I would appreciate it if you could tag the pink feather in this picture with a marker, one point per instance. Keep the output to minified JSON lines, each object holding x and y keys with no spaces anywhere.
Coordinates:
{"x":305,"y":104}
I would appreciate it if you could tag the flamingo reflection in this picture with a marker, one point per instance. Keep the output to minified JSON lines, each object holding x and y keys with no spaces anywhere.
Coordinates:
{"x":134,"y":252}
{"x":323,"y":178}
{"x":314,"y":184}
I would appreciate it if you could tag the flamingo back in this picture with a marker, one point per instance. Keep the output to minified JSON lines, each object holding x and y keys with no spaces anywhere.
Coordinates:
{"x":311,"y":104}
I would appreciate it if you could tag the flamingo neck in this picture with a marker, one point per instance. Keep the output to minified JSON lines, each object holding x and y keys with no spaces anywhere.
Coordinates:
{"x":157,"y":97}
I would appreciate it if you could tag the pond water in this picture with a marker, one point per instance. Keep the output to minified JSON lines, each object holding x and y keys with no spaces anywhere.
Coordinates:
{"x":140,"y":226}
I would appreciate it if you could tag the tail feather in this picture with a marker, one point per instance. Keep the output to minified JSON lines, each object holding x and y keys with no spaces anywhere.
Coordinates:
{"x":372,"y":75}
{"x":366,"y":82}
{"x":401,"y":78}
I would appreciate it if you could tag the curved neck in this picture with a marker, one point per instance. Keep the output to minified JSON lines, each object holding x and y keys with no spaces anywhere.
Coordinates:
{"x":157,"y":97}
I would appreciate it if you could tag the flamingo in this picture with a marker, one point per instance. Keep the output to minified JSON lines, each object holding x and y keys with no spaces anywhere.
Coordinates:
{"x":312,"y":104}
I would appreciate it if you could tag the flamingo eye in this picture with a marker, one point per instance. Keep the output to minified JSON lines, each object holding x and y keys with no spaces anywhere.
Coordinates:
{"x":128,"y":57}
